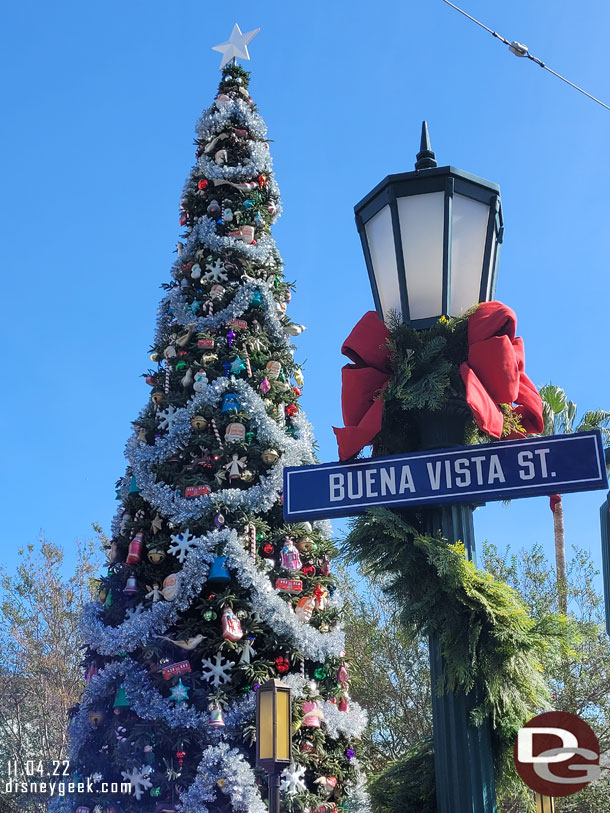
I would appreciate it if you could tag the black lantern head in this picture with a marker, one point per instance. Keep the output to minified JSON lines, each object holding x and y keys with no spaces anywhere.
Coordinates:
{"x":431,"y":240}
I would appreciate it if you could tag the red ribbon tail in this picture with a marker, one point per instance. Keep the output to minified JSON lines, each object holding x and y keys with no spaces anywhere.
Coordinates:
{"x":487,"y":415}
{"x":351,"y":439}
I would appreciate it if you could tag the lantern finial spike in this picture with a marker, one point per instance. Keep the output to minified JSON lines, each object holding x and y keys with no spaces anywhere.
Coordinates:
{"x":426,"y":159}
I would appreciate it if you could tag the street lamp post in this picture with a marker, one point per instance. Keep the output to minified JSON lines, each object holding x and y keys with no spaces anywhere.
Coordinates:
{"x":431,"y":241}
{"x":273,"y":734}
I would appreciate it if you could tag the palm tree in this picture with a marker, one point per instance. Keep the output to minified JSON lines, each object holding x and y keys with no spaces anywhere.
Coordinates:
{"x":560,"y":418}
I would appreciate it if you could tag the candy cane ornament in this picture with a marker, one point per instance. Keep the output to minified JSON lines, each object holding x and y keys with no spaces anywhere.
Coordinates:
{"x":251,"y":528}
{"x":216,"y":433}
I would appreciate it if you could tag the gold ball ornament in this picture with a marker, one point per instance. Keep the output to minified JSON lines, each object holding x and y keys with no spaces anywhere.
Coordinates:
{"x":156,"y":556}
{"x":157,"y":396}
{"x":305,"y":545}
{"x":270,"y":456}
{"x":209,"y":358}
{"x":198,"y":422}
{"x":247,"y":476}
{"x":96,"y":717}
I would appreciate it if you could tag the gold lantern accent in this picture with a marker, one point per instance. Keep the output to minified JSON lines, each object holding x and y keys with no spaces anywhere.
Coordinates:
{"x":273,"y":726}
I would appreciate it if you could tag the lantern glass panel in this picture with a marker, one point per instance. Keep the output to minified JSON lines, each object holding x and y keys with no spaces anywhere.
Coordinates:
{"x":283,"y":725}
{"x":380,"y":239}
{"x":468,"y":234}
{"x":421,"y":230}
{"x":265,"y":746}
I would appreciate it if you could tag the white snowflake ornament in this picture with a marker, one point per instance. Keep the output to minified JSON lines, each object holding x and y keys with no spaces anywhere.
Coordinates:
{"x":181,"y":545}
{"x":292,"y":779}
{"x":139,"y":780}
{"x":215,"y":272}
{"x":216,"y":672}
{"x":134,"y":612}
{"x":167,"y":417}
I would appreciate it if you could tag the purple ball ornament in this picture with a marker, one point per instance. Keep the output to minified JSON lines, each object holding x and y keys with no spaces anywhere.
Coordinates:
{"x":350,"y":754}
{"x":231,"y":336}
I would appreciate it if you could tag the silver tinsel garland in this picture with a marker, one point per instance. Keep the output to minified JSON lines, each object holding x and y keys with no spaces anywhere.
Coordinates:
{"x":272,"y":609}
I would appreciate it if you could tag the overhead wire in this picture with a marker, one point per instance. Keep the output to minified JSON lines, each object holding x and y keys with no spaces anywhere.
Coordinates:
{"x":521,"y":50}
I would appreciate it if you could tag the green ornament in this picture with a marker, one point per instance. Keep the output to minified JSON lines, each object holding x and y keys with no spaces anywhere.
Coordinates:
{"x":121,"y":700}
{"x":181,"y":365}
{"x":133,"y":485}
{"x":247,"y":689}
{"x":320,"y":674}
{"x":257,"y":298}
{"x":155,"y":791}
{"x":209,"y":615}
{"x":249,"y":437}
{"x":108,"y":602}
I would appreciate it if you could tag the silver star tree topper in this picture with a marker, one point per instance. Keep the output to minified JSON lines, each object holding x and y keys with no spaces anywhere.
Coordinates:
{"x":236,"y":46}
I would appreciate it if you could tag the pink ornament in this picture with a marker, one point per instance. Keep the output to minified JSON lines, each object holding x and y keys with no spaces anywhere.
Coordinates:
{"x":231,"y":626}
{"x":342,"y":675}
{"x":312,"y":713}
{"x":290,"y":556}
{"x":265,"y":385}
{"x":325,"y":566}
{"x":135,"y":549}
{"x":131,"y":587}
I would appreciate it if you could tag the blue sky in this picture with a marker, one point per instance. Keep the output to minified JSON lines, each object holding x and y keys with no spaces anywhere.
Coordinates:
{"x":99,"y":102}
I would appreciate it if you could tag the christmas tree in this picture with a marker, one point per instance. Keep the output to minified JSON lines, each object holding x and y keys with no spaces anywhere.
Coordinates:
{"x":208,"y":592}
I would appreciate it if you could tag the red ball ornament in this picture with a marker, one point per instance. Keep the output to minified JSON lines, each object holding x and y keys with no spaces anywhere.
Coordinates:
{"x":291,"y":410}
{"x":282,"y":664}
{"x":268,"y":549}
{"x":308,"y":570}
{"x":297,"y":391}
{"x":183,"y":219}
{"x":307,"y":747}
{"x":203,"y":184}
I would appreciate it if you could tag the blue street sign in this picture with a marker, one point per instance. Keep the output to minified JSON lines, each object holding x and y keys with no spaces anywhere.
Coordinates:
{"x":556,"y":464}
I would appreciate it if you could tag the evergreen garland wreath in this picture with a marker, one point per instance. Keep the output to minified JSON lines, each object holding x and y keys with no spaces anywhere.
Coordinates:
{"x":485,"y":633}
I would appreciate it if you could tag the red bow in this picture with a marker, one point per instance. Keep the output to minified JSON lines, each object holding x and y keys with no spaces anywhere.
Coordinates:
{"x":361,"y":383}
{"x":494,"y":373}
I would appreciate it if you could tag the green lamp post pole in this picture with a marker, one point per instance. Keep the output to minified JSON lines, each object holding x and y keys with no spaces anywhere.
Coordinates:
{"x":431,"y":241}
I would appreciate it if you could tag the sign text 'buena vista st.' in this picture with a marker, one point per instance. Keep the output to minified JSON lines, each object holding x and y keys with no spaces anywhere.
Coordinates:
{"x":556,"y":464}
